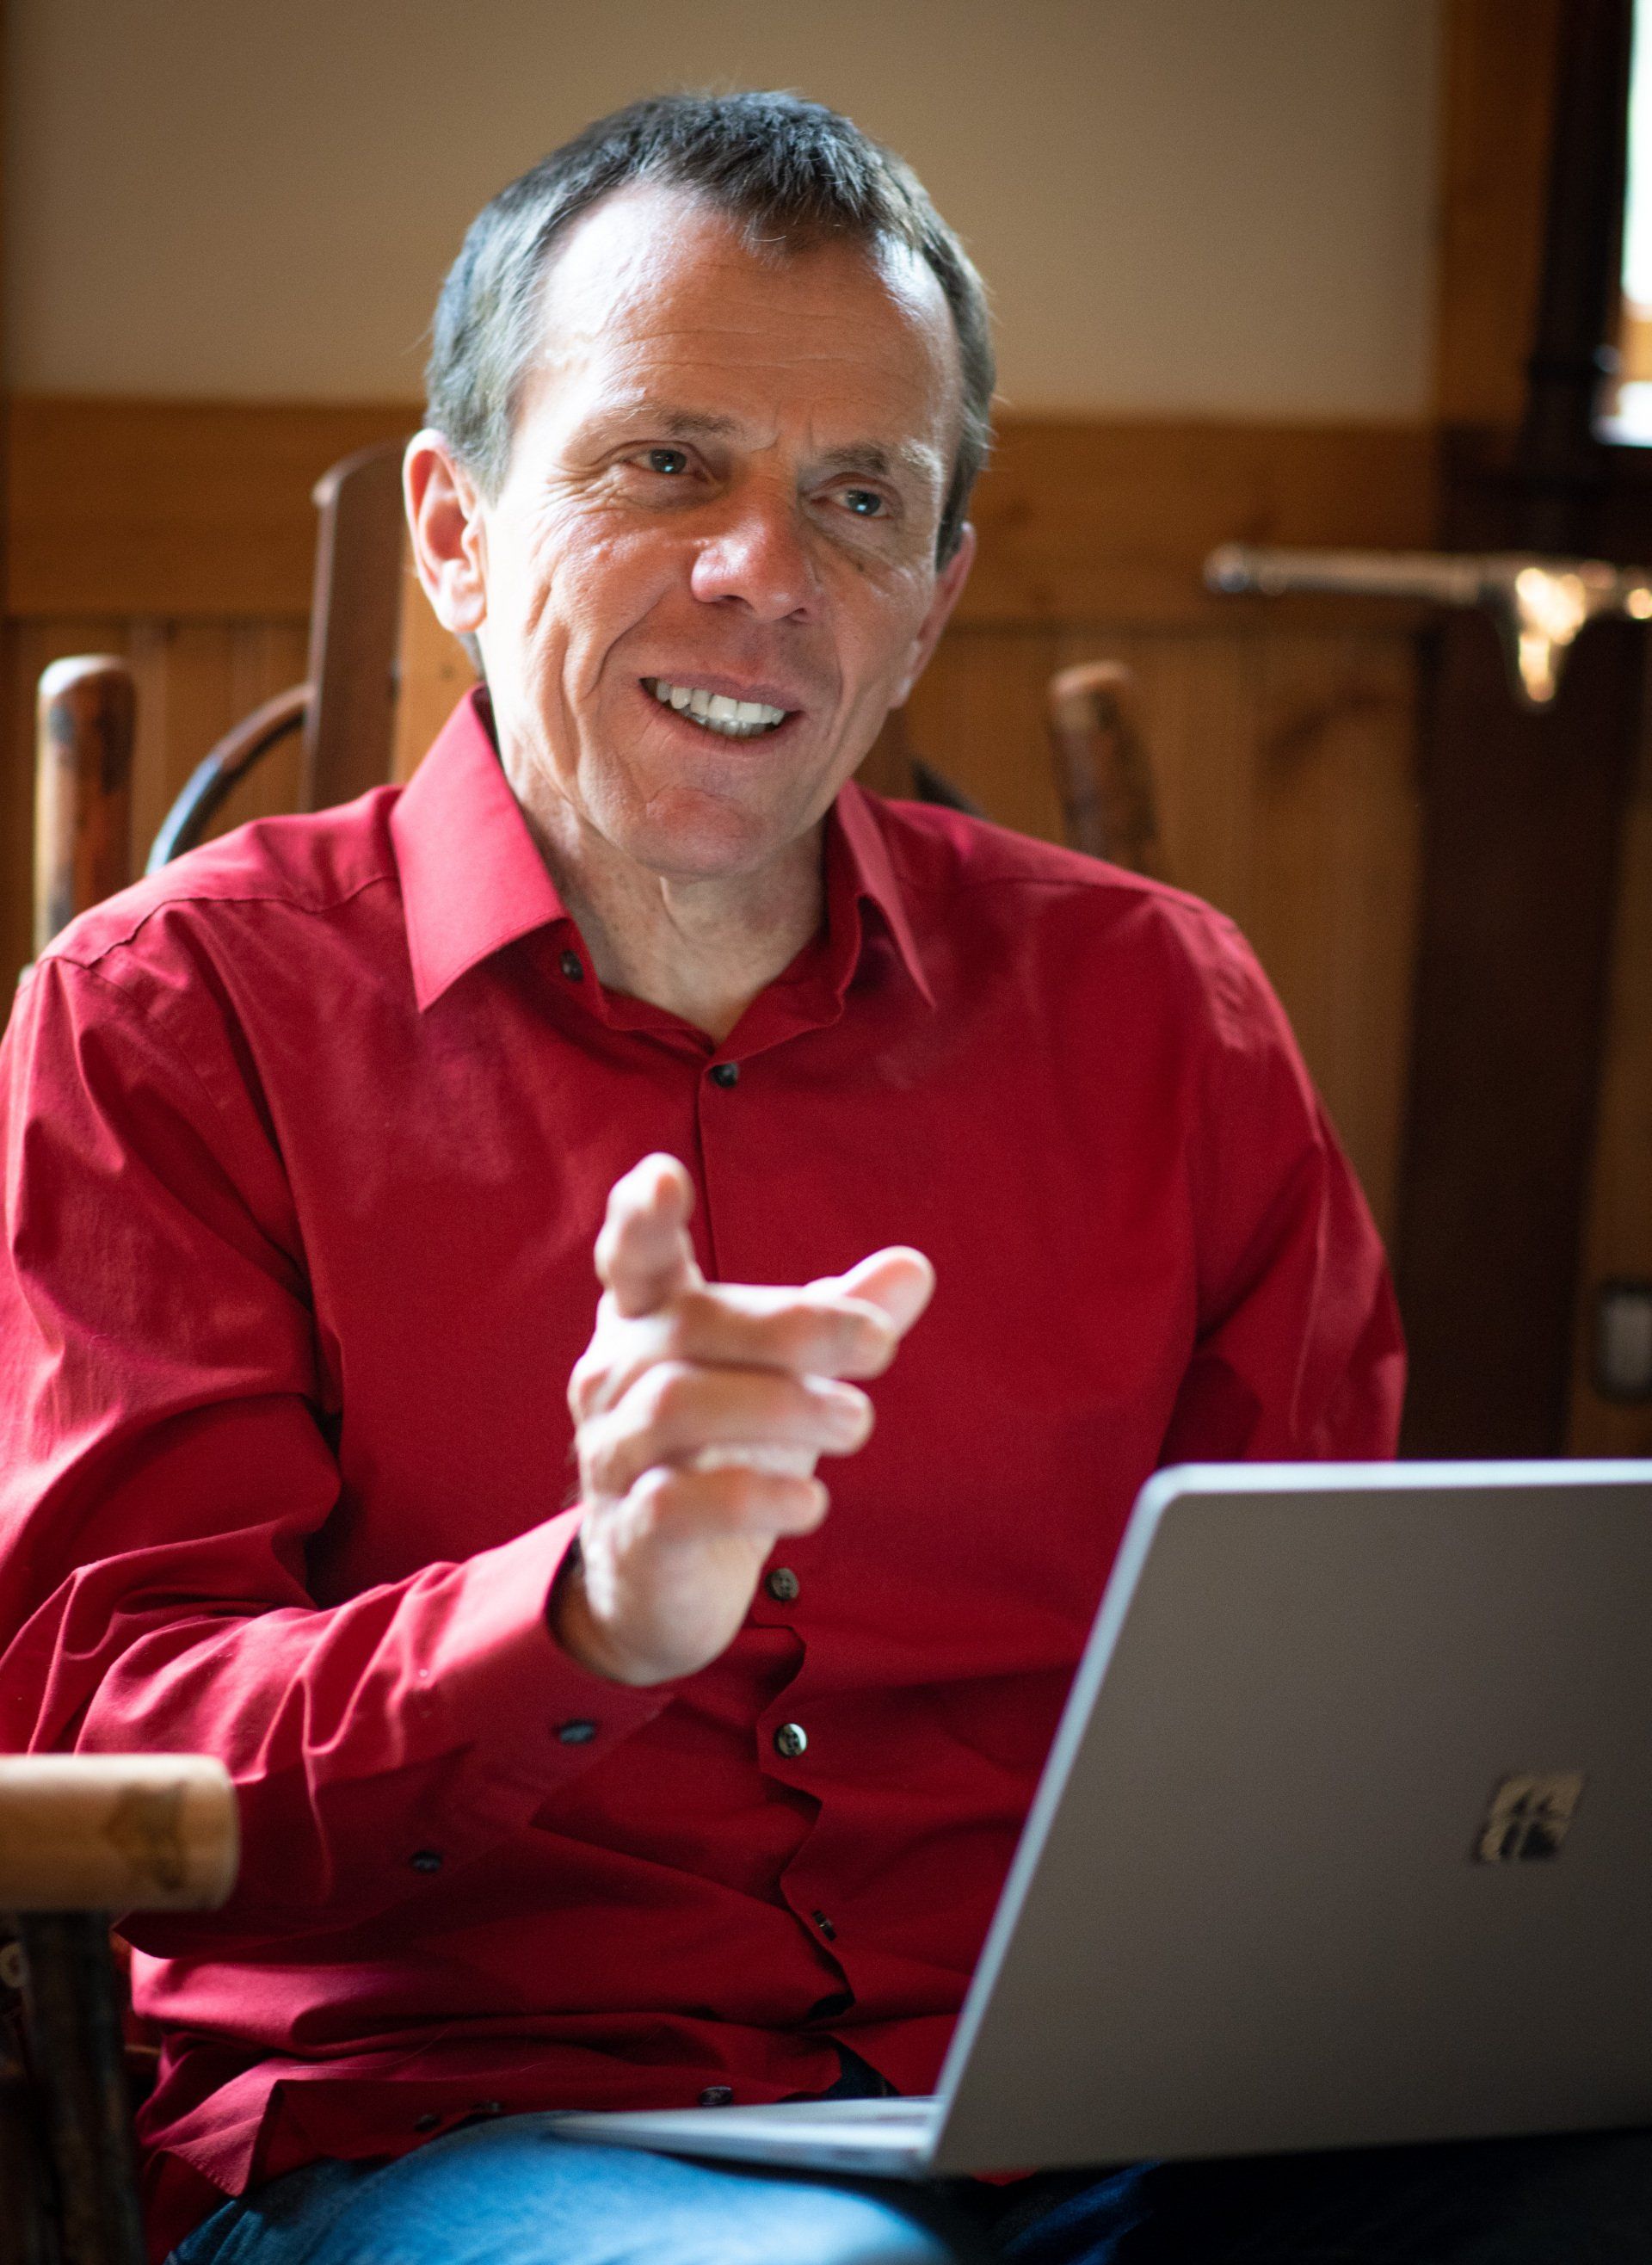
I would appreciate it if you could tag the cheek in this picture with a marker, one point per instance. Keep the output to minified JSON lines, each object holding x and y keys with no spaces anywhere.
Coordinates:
{"x":593,"y":583}
{"x":881,"y":613}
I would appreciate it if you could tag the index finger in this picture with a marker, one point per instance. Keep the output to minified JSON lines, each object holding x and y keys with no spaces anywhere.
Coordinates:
{"x":643,"y":1256}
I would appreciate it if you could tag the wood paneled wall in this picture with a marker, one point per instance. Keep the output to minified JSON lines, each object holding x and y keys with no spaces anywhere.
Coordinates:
{"x":1281,"y":737}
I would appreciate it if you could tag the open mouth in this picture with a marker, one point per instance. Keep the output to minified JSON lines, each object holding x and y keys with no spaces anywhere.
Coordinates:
{"x":716,"y":712}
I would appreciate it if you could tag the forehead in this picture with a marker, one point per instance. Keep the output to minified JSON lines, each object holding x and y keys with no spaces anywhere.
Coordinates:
{"x":655,"y":287}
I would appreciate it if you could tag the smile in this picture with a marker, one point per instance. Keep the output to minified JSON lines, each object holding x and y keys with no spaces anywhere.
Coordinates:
{"x":714,"y":711}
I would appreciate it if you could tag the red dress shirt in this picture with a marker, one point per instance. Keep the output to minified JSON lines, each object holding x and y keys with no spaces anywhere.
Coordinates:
{"x":307,"y":1143}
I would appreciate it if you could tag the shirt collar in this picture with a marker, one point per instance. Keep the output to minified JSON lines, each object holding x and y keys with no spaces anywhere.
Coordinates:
{"x":858,"y":864}
{"x":473,"y":879}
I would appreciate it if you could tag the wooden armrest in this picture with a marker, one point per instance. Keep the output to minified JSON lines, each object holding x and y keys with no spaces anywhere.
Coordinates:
{"x":115,"y":1832}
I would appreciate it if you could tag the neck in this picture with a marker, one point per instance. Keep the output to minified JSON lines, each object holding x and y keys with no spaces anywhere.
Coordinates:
{"x":700,"y":948}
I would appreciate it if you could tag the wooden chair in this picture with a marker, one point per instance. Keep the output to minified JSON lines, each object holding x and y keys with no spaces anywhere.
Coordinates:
{"x":1103,"y":770}
{"x":345,"y":708}
{"x":85,"y":1837}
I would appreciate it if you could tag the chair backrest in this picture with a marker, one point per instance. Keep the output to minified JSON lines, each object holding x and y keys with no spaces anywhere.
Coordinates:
{"x":1103,"y":768}
{"x":344,"y":707}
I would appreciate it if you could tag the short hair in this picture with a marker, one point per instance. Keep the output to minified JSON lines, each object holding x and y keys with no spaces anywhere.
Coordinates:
{"x":790,"y":172}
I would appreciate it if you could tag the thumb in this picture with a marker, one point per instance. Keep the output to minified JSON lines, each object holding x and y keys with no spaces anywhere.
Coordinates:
{"x":899,"y":1281}
{"x":644,"y":1256}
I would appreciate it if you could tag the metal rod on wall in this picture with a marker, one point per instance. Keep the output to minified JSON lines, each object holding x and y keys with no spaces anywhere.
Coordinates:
{"x":1540,"y":605}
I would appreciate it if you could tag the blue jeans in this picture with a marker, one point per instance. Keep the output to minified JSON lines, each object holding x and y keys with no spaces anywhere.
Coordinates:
{"x":509,"y":2192}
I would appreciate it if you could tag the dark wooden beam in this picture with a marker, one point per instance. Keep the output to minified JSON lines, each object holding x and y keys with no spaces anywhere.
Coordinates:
{"x":1524,"y":813}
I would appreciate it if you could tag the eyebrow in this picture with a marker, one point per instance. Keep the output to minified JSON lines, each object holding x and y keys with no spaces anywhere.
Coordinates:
{"x":688,"y":424}
{"x":871,"y":456}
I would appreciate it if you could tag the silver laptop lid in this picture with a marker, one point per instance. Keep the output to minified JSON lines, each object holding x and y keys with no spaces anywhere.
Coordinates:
{"x":1346,"y":1834}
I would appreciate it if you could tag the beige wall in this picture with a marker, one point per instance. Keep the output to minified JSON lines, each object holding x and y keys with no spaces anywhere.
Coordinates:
{"x":1183,"y":206}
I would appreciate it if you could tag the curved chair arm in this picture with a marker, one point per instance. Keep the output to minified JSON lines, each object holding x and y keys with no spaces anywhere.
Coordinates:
{"x":210,"y":782}
{"x":115,"y":1832}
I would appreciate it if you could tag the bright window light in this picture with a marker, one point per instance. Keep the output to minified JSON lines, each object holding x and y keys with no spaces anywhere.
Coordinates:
{"x":1626,"y":403}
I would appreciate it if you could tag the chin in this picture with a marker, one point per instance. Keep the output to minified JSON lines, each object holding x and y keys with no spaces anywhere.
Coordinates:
{"x":698,"y":836}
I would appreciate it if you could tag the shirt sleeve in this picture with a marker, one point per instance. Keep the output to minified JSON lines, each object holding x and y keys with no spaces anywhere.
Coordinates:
{"x":164,"y":1464}
{"x":1299,"y":1355}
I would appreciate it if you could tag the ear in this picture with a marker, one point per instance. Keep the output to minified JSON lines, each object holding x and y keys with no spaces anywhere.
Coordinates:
{"x":448,"y":533}
{"x":948,"y":586}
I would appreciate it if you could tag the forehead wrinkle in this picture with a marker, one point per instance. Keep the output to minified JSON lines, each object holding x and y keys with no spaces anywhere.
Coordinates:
{"x":615,"y":301}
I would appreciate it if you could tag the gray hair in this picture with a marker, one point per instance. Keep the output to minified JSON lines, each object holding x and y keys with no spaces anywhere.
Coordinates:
{"x":790,"y":172}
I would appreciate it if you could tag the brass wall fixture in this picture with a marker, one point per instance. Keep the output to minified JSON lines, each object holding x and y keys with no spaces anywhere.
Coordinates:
{"x":1540,"y":605}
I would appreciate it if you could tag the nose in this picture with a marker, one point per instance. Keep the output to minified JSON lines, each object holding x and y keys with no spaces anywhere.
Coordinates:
{"x":757,"y":557}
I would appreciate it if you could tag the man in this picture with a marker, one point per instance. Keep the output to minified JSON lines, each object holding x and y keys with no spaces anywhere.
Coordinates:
{"x":687,"y":1784}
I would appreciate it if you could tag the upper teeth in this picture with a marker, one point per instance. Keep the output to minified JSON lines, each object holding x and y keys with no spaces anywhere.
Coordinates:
{"x":736,"y":719}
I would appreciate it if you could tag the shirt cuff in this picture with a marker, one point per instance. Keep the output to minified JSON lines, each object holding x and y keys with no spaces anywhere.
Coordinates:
{"x":533,"y":1717}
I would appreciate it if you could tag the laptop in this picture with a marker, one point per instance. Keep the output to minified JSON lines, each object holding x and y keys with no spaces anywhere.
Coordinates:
{"x":1345,"y":1838}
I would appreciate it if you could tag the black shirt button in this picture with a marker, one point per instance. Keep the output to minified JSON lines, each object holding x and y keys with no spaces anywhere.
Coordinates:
{"x":572,"y":966}
{"x":791,"y":1739}
{"x":726,"y":1074}
{"x":717,"y":2095}
{"x":577,"y":1733}
{"x":426,"y":2122}
{"x":783,"y":1585}
{"x":825,"y":1925}
{"x":425,"y":1860}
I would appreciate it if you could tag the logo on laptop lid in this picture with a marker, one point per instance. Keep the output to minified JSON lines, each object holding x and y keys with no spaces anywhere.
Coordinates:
{"x":1528,"y":1818}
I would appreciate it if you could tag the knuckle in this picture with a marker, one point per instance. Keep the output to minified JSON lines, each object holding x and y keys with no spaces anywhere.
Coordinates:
{"x":606,"y":1241}
{"x":798,"y":1335}
{"x":605,"y":1461}
{"x":825,"y":1397}
{"x":670,"y":1390}
{"x":654,"y":1495}
{"x":692,"y":1311}
{"x":730,"y":1499}
{"x":655,"y":1485}
{"x":585,"y":1386}
{"x":746,"y":1488}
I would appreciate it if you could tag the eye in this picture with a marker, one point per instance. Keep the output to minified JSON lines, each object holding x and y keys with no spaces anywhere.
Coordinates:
{"x":669,"y":462}
{"x":865,"y":503}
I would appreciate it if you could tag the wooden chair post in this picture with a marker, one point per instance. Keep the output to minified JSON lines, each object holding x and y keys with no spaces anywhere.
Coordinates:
{"x":83,"y":811}
{"x":81,"y":1837}
{"x":354,"y":622}
{"x":1103,"y":776}
{"x":73,"y":2015}
{"x":26,"y":2237}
